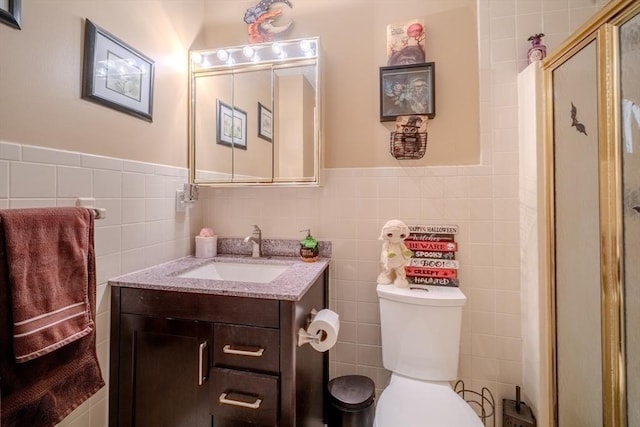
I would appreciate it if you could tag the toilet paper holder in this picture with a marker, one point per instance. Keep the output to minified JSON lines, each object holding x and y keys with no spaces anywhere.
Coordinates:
{"x":305,"y":337}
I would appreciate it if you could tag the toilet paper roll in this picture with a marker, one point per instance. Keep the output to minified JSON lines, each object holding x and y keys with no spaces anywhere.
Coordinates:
{"x":326,"y":324}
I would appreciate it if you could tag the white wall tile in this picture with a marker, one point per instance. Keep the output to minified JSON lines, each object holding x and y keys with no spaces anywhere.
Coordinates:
{"x":528,"y":25}
{"x":107,"y":184}
{"x":140,"y":167}
{"x":74,"y":182}
{"x":133,"y":260}
{"x":31,"y":203}
{"x":100,"y":162}
{"x":133,"y":236}
{"x":133,"y":210}
{"x":30,"y":180}
{"x":556,"y":22}
{"x":159,"y":232}
{"x":114,"y":212}
{"x":526,"y":7}
{"x":107,"y":240}
{"x":133,"y":185}
{"x":503,"y":27}
{"x":502,"y":8}
{"x":107,"y":266}
{"x":10,"y":151}
{"x":49,"y":156}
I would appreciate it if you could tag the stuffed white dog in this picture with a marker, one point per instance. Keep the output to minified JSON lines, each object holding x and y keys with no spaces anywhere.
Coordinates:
{"x":395,"y":254}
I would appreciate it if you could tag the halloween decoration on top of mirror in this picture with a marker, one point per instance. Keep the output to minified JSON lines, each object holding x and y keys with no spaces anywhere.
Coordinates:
{"x":268,"y":20}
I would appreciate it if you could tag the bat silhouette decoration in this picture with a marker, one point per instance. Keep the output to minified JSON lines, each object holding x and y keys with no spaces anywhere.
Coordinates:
{"x":574,"y":122}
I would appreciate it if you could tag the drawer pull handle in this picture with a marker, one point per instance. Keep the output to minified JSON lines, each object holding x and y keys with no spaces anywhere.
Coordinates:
{"x":230,"y":350}
{"x":202,"y":371}
{"x":255,"y":405}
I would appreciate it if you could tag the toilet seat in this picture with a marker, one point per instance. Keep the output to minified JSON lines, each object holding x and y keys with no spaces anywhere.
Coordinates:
{"x":408,"y":402}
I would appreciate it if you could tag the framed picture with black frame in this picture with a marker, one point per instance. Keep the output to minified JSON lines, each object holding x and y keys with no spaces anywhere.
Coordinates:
{"x":407,"y":90}
{"x":231,"y":126}
{"x":116,"y":75}
{"x":265,"y":123}
{"x":10,"y":13}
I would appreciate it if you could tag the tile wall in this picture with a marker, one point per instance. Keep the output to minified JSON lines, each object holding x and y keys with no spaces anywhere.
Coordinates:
{"x":141,"y":228}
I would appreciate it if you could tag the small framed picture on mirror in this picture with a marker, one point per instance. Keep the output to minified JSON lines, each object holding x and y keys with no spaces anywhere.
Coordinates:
{"x":265,"y":123}
{"x":231,"y":126}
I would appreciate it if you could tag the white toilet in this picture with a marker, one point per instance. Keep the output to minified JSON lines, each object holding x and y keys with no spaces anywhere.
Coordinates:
{"x":420,"y":346}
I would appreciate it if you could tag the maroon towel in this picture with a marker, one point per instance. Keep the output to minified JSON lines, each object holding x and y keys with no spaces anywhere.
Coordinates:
{"x":44,"y":390}
{"x":48,"y":257}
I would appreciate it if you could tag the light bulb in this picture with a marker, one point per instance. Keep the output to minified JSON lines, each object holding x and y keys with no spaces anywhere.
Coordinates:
{"x":222,"y":55}
{"x":247,"y":51}
{"x":196,"y":58}
{"x":305,"y":45}
{"x":276,"y":48}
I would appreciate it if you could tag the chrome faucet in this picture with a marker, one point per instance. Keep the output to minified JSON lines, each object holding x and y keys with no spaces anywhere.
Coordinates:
{"x":256,"y":239}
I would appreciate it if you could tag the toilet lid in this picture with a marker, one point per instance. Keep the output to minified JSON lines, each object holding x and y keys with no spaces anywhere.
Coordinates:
{"x":412,"y":403}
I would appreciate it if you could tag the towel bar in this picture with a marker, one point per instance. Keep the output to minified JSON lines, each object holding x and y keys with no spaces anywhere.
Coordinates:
{"x":99,"y":213}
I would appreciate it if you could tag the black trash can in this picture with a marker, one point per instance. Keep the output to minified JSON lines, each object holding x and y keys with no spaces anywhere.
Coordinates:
{"x":351,"y":401}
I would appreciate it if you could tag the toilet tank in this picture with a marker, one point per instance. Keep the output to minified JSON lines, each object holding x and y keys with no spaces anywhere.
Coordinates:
{"x":421,"y":330}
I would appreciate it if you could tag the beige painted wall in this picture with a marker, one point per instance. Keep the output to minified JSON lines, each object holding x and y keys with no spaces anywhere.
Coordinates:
{"x":353,"y":40}
{"x":41,"y":84}
{"x":41,"y":77}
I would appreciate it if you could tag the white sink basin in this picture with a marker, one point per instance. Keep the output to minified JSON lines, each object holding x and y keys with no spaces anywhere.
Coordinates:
{"x":236,"y":272}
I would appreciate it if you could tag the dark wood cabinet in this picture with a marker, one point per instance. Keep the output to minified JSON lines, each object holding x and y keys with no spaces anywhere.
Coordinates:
{"x":164,"y":382}
{"x":187,"y":359}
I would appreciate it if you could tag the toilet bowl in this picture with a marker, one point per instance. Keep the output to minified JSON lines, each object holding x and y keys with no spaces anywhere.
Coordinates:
{"x":408,"y":402}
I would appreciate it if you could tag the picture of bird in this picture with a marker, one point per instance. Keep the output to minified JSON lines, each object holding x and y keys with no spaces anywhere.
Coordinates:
{"x":574,"y":121}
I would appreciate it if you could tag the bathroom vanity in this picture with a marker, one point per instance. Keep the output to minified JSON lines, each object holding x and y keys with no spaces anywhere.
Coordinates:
{"x":192,"y":351}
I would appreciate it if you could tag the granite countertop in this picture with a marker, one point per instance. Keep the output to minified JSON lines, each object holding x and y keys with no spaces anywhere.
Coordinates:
{"x":290,"y":285}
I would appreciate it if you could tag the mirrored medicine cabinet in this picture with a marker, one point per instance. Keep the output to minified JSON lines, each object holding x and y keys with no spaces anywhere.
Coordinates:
{"x":254,"y":114}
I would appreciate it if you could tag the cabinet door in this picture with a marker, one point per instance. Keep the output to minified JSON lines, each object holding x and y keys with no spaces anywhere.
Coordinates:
{"x":163,"y":369}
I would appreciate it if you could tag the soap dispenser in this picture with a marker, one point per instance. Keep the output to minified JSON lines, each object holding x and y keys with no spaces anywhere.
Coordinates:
{"x":309,"y":248}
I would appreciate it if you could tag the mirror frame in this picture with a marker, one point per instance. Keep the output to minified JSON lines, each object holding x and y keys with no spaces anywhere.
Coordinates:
{"x":274,"y":64}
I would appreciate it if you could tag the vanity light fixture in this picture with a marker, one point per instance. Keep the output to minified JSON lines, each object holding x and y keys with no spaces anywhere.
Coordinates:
{"x":255,"y":53}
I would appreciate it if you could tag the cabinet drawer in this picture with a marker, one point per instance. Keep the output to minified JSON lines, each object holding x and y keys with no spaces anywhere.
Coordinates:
{"x":192,"y":306}
{"x":244,"y":396}
{"x":246,"y":347}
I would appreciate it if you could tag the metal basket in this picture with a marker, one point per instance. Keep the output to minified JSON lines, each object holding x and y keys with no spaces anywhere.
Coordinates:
{"x":408,"y":145}
{"x":482,"y":402}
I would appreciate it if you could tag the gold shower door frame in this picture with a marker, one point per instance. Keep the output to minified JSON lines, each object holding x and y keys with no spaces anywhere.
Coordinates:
{"x":604,"y":30}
